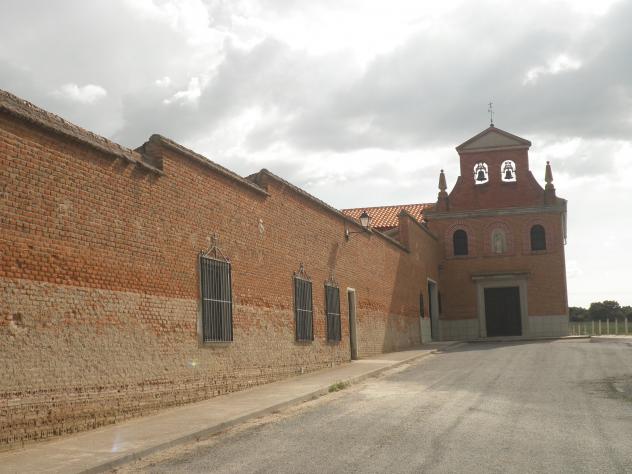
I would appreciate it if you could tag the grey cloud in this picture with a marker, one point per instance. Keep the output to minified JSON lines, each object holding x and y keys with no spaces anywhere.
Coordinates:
{"x":590,"y":160}
{"x":430,"y":91}
{"x":270,"y":76}
{"x":44,"y":45}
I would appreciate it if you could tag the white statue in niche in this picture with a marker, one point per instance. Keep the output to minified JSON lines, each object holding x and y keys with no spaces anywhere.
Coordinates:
{"x":499,"y":242}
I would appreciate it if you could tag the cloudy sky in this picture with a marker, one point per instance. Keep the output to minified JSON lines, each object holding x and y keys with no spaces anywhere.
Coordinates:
{"x":360,"y":102}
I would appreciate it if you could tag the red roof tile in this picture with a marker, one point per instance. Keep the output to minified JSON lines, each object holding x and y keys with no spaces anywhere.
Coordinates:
{"x":385,"y":217}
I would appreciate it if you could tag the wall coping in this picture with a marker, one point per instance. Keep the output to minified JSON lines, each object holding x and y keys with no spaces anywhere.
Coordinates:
{"x":423,"y":227}
{"x":52,"y":123}
{"x":201,"y":159}
{"x":262,"y":174}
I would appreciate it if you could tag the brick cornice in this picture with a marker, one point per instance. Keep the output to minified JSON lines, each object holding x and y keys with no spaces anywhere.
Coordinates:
{"x":558,"y":208}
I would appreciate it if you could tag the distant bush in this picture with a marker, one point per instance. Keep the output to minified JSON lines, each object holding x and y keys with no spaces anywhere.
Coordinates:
{"x":600,"y":311}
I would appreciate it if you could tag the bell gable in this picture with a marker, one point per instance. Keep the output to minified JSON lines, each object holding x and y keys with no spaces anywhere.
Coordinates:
{"x":494,"y":174}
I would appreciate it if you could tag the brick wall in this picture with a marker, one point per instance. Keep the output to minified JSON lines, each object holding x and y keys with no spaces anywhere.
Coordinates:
{"x":511,"y":208}
{"x":546,"y":281}
{"x":495,"y":193}
{"x":98,"y":275}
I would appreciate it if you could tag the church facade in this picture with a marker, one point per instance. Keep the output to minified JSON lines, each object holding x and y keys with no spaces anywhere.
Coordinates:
{"x":503,"y":236}
{"x":502,"y":266}
{"x":137,"y":279}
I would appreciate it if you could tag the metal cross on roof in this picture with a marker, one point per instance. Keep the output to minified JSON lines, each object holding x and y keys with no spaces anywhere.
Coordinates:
{"x":491,"y":114}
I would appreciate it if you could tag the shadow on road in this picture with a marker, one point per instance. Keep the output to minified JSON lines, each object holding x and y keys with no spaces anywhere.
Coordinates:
{"x":473,"y":346}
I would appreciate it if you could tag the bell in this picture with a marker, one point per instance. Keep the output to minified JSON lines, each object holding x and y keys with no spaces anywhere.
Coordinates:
{"x":481,"y":176}
{"x":508,"y":175}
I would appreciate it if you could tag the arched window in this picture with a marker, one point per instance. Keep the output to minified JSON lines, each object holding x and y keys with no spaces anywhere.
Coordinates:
{"x":538,"y":238}
{"x":481,"y":173}
{"x":508,"y":171}
{"x":459,"y":239}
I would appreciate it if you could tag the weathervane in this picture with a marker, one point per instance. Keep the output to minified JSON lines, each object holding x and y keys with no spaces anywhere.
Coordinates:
{"x":491,"y":114}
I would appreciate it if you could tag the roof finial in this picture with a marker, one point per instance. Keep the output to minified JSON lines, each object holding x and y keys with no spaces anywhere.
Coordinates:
{"x":442,"y":198}
{"x":491,"y":114}
{"x":548,"y":175}
{"x":549,"y":189}
{"x":442,"y":184}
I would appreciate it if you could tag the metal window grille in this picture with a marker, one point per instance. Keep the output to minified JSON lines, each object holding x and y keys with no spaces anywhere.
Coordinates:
{"x":332,"y":305}
{"x":303,"y":312}
{"x":459,"y":239}
{"x":421,"y":304}
{"x":217,"y":307}
{"x":538,"y":238}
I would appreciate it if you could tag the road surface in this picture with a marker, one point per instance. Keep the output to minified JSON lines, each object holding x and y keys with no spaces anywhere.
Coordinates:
{"x":551,"y":406}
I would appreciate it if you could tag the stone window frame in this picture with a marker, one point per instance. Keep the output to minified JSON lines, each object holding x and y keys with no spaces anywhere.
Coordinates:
{"x":499,"y":280}
{"x":509,"y":239}
{"x":472,"y":241}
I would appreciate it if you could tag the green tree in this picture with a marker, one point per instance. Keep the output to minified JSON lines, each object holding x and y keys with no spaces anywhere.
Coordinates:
{"x":577,"y":313}
{"x":603,"y":310}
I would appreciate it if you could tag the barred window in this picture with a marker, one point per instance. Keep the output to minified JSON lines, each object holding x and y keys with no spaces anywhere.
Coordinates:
{"x":217,"y":307}
{"x":421,"y":304}
{"x":332,"y":309}
{"x":303,"y":309}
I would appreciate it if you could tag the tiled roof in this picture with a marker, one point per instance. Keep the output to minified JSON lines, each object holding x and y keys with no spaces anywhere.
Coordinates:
{"x":385,"y":217}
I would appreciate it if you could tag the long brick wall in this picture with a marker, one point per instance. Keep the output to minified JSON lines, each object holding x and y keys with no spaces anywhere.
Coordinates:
{"x":100,"y":292}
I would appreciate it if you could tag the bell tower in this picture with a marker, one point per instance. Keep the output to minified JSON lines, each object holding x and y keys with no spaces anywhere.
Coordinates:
{"x":494,"y":173}
{"x":502,"y":236}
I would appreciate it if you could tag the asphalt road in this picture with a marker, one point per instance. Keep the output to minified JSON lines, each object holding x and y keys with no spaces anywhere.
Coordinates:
{"x":559,"y":406}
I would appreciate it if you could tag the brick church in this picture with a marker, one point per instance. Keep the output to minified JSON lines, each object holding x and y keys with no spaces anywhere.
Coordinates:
{"x":502,"y":237}
{"x":137,"y":279}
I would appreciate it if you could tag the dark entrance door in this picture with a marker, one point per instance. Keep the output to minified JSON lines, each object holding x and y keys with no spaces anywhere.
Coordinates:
{"x":502,"y":311}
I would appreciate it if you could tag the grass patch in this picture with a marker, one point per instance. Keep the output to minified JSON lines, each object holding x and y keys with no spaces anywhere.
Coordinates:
{"x":338,"y":386}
